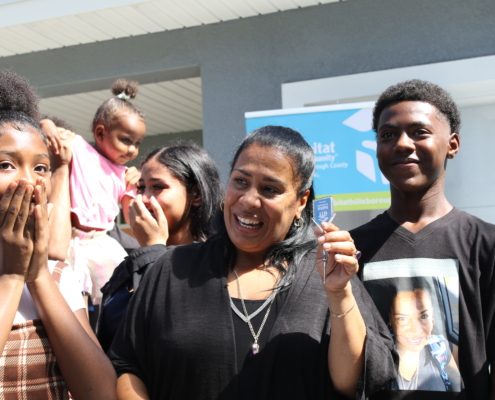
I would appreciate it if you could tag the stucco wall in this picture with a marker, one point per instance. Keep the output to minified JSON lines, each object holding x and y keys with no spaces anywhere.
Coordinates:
{"x":243,"y":63}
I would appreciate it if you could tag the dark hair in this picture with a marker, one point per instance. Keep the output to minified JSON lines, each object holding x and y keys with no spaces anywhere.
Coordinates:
{"x":123,"y":91}
{"x":59,"y":122}
{"x":418,"y":90}
{"x":18,"y":102}
{"x":194,"y":167}
{"x":300,"y":238}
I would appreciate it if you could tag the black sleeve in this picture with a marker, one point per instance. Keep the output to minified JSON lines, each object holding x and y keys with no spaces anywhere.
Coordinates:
{"x":381,"y":360}
{"x":128,"y":352}
{"x":119,"y":289}
{"x":127,"y":241}
{"x":487,"y":282}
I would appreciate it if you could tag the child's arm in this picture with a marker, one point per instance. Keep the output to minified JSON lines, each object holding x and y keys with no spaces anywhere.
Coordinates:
{"x":87,"y":371}
{"x":16,"y":249}
{"x":132,"y":176}
{"x":60,"y":224}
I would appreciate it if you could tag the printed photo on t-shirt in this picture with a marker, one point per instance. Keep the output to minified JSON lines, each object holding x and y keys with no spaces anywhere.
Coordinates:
{"x":419,"y":300}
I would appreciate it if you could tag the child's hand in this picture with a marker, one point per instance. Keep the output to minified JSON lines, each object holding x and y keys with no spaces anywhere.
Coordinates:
{"x":149,"y":227}
{"x":60,"y":140}
{"x":132,"y":176}
{"x":16,"y":229}
{"x":65,"y":139}
{"x":39,"y":260}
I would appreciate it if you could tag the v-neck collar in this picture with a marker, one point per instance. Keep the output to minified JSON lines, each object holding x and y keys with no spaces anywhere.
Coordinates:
{"x":424,"y":233}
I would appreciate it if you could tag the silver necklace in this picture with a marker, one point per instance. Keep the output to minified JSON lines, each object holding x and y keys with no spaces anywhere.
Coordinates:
{"x":255,"y":347}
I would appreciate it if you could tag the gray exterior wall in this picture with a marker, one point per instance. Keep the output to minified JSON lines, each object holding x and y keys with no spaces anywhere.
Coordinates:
{"x":243,"y":63}
{"x":152,"y":142}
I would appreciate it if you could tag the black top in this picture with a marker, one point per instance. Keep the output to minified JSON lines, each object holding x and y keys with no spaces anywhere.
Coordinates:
{"x":244,"y":340}
{"x":178,"y":335}
{"x":120,"y":287}
{"x":453,"y":259}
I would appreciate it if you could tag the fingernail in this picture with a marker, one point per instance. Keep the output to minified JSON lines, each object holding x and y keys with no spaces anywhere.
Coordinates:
{"x":327,"y":246}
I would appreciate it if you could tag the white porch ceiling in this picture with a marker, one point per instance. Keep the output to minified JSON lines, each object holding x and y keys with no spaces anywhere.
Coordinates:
{"x":35,"y":25}
{"x":172,"y":106}
{"x":169,"y":107}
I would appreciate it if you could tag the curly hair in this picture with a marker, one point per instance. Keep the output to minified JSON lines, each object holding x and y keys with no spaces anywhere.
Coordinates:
{"x":18,"y":101}
{"x":123,"y":91}
{"x":419,"y":90}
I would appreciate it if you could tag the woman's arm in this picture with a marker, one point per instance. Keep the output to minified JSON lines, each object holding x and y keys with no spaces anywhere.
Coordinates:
{"x":347,"y":342}
{"x":348,"y":331}
{"x":86,"y":369}
{"x":130,"y":387}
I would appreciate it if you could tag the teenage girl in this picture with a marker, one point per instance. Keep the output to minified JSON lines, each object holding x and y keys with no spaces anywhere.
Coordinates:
{"x":178,"y":198}
{"x":100,"y":183}
{"x":46,"y":344}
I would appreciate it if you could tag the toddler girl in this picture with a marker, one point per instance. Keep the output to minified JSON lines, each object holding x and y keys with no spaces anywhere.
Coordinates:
{"x":99,"y":183}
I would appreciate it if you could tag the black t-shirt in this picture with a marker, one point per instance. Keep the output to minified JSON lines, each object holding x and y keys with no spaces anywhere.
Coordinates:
{"x":244,"y":340}
{"x":178,"y":334}
{"x":436,"y":290}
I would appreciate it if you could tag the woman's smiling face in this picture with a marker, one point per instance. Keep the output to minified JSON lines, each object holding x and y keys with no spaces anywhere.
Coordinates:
{"x":261,"y":200}
{"x":412,"y":319}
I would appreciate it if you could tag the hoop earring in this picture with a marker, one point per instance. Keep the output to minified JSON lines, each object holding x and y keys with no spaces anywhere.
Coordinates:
{"x":297,"y":222}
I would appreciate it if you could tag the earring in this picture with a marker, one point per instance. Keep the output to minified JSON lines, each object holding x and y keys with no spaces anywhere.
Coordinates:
{"x":297,"y":222}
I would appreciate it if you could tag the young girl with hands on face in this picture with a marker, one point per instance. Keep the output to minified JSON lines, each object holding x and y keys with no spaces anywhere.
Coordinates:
{"x":47,"y":347}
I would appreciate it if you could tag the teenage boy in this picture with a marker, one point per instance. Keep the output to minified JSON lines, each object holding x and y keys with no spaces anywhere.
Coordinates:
{"x":424,"y":244}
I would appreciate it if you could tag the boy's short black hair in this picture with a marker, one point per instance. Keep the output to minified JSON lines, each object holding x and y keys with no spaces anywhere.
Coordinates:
{"x":419,"y":90}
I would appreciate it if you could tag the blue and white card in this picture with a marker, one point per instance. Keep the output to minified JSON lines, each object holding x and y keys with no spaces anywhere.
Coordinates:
{"x":323,"y":210}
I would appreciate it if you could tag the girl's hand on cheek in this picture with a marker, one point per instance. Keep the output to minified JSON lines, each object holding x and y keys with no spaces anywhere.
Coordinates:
{"x":149,"y":227}
{"x":16,"y":229}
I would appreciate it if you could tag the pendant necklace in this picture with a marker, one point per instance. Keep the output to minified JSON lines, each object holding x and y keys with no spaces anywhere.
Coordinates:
{"x":255,"y":347}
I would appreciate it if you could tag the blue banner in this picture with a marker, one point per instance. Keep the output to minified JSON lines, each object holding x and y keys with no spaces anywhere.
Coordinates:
{"x":344,"y":146}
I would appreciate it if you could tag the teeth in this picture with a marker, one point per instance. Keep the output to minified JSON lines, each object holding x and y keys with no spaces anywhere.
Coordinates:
{"x":248,"y":223}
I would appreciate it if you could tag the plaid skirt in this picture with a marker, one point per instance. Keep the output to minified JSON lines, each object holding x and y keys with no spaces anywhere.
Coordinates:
{"x":28,"y":369}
